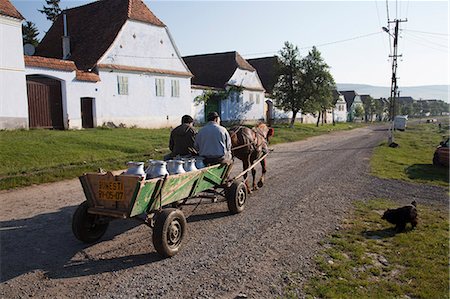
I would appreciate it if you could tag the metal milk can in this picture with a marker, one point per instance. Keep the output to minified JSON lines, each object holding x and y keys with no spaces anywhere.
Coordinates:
{"x":156,"y":169}
{"x":175,"y":166}
{"x":189,"y":164}
{"x":135,"y":168}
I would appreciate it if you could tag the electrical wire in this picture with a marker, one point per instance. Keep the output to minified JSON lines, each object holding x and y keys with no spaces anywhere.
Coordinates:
{"x":426,"y":40}
{"x":425,"y":32}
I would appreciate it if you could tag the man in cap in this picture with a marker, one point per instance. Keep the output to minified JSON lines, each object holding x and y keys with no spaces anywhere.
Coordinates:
{"x":182,"y":139}
{"x":213,"y":141}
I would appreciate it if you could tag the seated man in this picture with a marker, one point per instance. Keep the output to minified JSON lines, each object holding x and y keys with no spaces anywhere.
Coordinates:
{"x":213,"y":141}
{"x":182,"y":139}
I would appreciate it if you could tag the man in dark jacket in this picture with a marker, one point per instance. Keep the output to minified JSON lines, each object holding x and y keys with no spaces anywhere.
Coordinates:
{"x":182,"y":139}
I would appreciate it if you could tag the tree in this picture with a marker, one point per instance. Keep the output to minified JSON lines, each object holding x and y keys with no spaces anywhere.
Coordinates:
{"x":30,"y":33}
{"x":52,"y":9}
{"x":318,"y":83}
{"x":289,"y":91}
{"x":369,"y":108}
{"x":359,"y":111}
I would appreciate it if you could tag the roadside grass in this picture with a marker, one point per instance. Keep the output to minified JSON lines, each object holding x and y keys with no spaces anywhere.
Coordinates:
{"x":412,"y":160}
{"x":367,"y":259}
{"x":41,"y":156}
{"x":302,"y":131}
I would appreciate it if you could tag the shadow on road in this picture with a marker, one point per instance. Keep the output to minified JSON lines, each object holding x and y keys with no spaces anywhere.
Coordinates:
{"x":46,"y":242}
{"x":209,"y":216}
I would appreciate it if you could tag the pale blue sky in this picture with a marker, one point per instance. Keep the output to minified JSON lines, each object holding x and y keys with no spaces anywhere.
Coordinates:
{"x":259,"y":28}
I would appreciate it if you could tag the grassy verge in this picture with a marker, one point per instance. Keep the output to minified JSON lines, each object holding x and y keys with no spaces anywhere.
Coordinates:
{"x":412,"y":160}
{"x":41,"y":156}
{"x":366,"y":259}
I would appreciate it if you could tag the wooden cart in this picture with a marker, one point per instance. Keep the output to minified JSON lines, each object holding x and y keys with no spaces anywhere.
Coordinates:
{"x":126,"y":196}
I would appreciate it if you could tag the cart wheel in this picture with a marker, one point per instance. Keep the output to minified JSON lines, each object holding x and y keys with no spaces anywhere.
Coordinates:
{"x":87,"y":227}
{"x":236,"y":196}
{"x":169,"y":231}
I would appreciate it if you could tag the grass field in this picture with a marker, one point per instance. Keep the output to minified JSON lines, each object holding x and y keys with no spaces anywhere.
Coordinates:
{"x":412,"y":160}
{"x":366,"y":259}
{"x":40,"y":156}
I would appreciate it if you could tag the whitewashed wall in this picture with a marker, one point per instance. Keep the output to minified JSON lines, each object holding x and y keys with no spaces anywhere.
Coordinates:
{"x":71,"y":91}
{"x":197,"y":110}
{"x":141,"y":107}
{"x":144,"y":45}
{"x":13,"y":93}
{"x":340,"y":110}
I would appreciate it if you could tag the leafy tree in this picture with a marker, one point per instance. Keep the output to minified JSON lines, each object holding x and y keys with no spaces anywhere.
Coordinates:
{"x":369,"y":108}
{"x":290,"y":92}
{"x":359,"y":111}
{"x":318,"y":83}
{"x":52,"y":10}
{"x":30,"y":33}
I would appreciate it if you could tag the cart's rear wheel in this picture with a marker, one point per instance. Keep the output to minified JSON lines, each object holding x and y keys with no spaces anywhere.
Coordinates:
{"x":87,"y":227}
{"x":236,"y":196}
{"x":169,"y":231}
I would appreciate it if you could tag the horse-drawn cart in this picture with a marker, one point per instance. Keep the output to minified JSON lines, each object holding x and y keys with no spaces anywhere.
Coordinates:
{"x":111,"y":197}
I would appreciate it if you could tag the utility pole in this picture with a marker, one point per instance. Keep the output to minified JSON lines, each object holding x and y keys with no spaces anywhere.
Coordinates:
{"x":394,"y":75}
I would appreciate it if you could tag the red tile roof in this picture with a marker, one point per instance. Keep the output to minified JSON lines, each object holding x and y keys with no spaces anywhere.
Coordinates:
{"x":50,"y":63}
{"x":7,"y":9}
{"x":143,"y":69}
{"x":87,"y":76}
{"x":214,"y":70}
{"x":93,"y":28}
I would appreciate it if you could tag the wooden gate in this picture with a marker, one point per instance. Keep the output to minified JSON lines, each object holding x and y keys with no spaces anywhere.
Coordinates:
{"x":87,"y":115}
{"x":44,"y":103}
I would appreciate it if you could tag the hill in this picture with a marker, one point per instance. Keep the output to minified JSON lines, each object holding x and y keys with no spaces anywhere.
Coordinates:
{"x":439,"y":92}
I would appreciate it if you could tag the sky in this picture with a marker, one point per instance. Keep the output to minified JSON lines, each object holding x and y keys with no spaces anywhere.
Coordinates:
{"x":348,"y":33}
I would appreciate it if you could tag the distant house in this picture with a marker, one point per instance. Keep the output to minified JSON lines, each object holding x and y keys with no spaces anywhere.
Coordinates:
{"x":353,"y":100}
{"x":107,"y":62}
{"x":220,"y":71}
{"x":340,"y":107}
{"x":13,"y":94}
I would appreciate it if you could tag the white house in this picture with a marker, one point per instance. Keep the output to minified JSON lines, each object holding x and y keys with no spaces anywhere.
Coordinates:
{"x":113,"y":62}
{"x":13,"y":94}
{"x":340,"y":107}
{"x":353,"y":100}
{"x":221,"y":71}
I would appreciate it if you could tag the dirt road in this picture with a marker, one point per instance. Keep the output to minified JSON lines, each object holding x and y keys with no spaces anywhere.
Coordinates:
{"x":309,"y":189}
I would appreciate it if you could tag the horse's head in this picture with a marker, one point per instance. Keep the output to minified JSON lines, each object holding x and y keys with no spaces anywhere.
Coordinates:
{"x":265,"y":131}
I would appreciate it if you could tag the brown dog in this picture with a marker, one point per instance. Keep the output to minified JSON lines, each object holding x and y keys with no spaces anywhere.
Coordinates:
{"x":401,"y":216}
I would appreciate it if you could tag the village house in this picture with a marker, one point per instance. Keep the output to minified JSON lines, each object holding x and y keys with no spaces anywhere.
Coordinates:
{"x":224,"y":71}
{"x":109,"y":62}
{"x":340,"y":107}
{"x":13,"y":94}
{"x":353,"y":100}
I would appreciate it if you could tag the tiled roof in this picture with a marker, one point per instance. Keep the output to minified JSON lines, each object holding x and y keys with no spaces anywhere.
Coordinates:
{"x":50,"y":63}
{"x":143,"y":69}
{"x":92,"y":29}
{"x":87,"y":76}
{"x":267,"y":68}
{"x":214,"y":70}
{"x":7,"y":9}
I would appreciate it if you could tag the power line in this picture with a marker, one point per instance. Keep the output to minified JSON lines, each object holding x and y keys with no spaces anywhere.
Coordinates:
{"x":425,"y":32}
{"x":426,"y":40}
{"x":319,"y":45}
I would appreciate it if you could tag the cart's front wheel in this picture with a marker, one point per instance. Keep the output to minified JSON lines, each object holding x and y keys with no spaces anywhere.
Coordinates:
{"x":169,"y":231}
{"x":236,"y":196}
{"x":87,"y":227}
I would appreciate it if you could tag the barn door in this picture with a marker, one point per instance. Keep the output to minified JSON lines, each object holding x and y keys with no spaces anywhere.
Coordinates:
{"x":87,"y":115}
{"x":212,"y":105}
{"x":44,"y":103}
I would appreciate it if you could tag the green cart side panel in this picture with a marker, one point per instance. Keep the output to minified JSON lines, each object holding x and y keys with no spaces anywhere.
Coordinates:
{"x":175,"y":188}
{"x":213,"y":176}
{"x":146,"y":193}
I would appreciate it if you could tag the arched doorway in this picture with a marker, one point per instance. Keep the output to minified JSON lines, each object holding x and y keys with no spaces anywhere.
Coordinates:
{"x":45,"y":108}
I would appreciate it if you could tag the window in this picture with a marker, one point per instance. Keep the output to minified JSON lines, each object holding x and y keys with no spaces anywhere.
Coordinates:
{"x":257,"y":98}
{"x":122,"y":85}
{"x":159,"y":87}
{"x":250,"y":98}
{"x":175,"y":89}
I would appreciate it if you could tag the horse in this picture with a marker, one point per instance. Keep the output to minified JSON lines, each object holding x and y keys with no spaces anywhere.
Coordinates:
{"x":248,"y":145}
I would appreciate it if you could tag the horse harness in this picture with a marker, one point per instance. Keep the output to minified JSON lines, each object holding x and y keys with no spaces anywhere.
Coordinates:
{"x":254,"y":144}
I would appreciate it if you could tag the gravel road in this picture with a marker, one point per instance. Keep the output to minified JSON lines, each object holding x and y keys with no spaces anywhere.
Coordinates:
{"x":309,"y":190}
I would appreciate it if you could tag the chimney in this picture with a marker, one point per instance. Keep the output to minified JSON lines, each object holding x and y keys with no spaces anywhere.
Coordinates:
{"x":65,"y":39}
